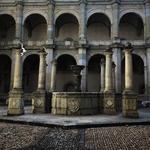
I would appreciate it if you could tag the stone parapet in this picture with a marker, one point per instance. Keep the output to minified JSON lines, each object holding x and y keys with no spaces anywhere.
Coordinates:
{"x":76,"y":103}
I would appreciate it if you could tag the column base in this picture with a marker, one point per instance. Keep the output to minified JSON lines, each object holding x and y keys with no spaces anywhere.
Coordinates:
{"x":38,"y":102}
{"x":129,"y":105}
{"x":109,"y":103}
{"x":15,"y":102}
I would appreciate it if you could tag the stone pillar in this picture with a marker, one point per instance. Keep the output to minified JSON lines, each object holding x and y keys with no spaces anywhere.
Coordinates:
{"x":109,"y":95}
{"x":38,"y":102}
{"x":113,"y":75}
{"x":19,"y":16}
{"x":53,"y":75}
{"x":102,"y":75}
{"x":146,"y":79}
{"x":15,"y":101}
{"x":129,"y":97}
{"x":50,"y":25}
{"x":147,"y":19}
{"x":83,"y":61}
{"x":115,"y":23}
{"x":82,"y":31}
{"x":49,"y":58}
{"x":148,"y":67}
{"x":108,"y":72}
{"x":117,"y":58}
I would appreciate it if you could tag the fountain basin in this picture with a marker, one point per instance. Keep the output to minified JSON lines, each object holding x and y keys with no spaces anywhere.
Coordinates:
{"x":76,"y":103}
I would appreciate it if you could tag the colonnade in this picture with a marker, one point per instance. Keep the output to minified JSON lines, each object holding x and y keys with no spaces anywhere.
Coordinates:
{"x":16,"y":107}
{"x":16,"y":104}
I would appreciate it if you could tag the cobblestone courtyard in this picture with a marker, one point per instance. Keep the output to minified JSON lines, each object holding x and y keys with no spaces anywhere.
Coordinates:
{"x":25,"y":137}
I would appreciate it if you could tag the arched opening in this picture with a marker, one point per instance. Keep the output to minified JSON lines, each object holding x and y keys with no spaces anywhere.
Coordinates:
{"x":5,"y":77}
{"x":131,"y":27}
{"x":67,"y":27}
{"x":7,"y":28}
{"x":35,"y":28}
{"x":138,"y":74}
{"x":98,"y":27}
{"x":65,"y":78}
{"x":30,"y":73}
{"x":94,"y":70}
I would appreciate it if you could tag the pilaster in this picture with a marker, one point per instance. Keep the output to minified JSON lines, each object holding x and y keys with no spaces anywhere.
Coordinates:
{"x":115,"y":24}
{"x":82,"y":30}
{"x":50,"y":23}
{"x":19,"y":17}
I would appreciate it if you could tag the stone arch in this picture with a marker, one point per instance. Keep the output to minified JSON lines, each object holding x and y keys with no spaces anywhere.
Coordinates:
{"x":72,"y":12}
{"x":94,"y":72}
{"x":5,"y":76}
{"x":138,"y":74}
{"x":64,"y":75}
{"x":35,"y":28}
{"x":28,"y":54}
{"x":140,"y":14}
{"x":131,"y":26}
{"x":66,"y":27}
{"x":99,"y":11}
{"x":7,"y":27}
{"x":30,"y":73}
{"x":98,"y":27}
{"x":27,"y":14}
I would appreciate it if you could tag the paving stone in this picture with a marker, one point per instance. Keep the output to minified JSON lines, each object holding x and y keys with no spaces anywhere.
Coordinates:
{"x":26,"y":137}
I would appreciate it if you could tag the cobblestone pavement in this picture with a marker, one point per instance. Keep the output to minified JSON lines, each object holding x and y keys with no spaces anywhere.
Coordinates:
{"x":25,"y":137}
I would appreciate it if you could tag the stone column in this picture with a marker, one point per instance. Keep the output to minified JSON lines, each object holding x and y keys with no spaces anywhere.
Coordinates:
{"x":129,"y":97}
{"x":109,"y":95}
{"x":50,"y":25}
{"x":108,"y":72}
{"x":82,"y":61}
{"x":19,"y":16}
{"x":16,"y":106}
{"x":102,"y":75}
{"x":38,"y":102}
{"x":53,"y":75}
{"x":128,"y":70}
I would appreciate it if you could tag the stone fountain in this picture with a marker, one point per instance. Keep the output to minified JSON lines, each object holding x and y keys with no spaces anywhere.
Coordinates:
{"x":77,"y":102}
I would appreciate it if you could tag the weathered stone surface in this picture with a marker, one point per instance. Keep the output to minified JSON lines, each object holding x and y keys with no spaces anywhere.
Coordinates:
{"x":38,"y":102}
{"x":15,"y":104}
{"x":109,"y":103}
{"x":129,"y":105}
{"x":75,"y":103}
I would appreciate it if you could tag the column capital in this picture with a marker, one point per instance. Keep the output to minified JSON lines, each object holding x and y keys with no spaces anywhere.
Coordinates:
{"x":51,"y":2}
{"x":43,"y":51}
{"x":83,"y":2}
{"x":108,"y":51}
{"x":128,"y":45}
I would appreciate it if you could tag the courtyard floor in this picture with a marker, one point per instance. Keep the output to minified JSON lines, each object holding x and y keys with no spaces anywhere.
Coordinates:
{"x":98,"y":132}
{"x":26,"y":137}
{"x":74,"y":121}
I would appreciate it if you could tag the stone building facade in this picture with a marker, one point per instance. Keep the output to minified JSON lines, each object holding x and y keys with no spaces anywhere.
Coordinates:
{"x":72,"y":32}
